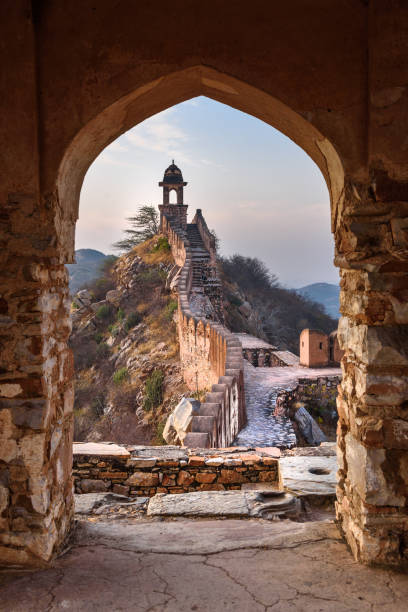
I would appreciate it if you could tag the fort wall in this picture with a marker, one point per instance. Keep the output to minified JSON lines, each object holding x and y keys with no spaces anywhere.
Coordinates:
{"x":211,"y":356}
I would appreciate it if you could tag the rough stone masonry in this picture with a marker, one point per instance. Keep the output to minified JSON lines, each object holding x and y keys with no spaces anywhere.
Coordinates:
{"x":74,"y":78}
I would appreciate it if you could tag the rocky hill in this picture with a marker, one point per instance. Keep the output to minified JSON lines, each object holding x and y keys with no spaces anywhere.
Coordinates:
{"x":127,"y":370}
{"x":326,"y":294}
{"x":86,"y":268}
{"x":124,"y":340}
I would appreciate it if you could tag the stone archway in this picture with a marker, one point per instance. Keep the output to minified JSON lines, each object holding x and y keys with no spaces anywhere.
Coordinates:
{"x":365,"y":169}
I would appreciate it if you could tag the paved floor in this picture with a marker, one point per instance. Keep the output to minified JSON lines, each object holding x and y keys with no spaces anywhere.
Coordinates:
{"x":229,"y":565}
{"x":262,"y":386}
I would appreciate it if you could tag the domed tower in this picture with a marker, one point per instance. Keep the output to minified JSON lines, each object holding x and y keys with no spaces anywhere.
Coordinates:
{"x":173,"y":181}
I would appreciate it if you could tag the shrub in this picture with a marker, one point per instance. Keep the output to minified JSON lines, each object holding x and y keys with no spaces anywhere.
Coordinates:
{"x":170,"y":309}
{"x":102,"y":352}
{"x":121,"y":314}
{"x":103,"y":312}
{"x":158,"y":439}
{"x":120,"y":376}
{"x":153,"y":390}
{"x":74,"y":306}
{"x":98,"y":405}
{"x":131,"y":320}
{"x":162,"y":244}
{"x":84,"y":354}
{"x":98,"y":337}
{"x":114,"y":329}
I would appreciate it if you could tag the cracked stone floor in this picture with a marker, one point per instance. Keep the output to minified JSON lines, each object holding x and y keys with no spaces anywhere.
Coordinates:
{"x":203,"y":565}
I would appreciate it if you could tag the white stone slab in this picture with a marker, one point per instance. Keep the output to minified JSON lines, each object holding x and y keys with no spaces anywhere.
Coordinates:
{"x":100,"y":448}
{"x":200,"y":503}
{"x":309,"y":475}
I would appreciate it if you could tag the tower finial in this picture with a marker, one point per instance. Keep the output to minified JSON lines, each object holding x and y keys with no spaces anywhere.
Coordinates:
{"x":172,"y":161}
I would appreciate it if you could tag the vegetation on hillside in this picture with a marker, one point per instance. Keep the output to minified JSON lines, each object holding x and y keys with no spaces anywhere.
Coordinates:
{"x":143,"y":226}
{"x":127,"y":370}
{"x":257,"y":304}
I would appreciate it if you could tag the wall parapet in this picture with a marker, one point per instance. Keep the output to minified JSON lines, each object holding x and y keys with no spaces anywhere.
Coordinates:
{"x":141,"y":470}
{"x":211,"y":355}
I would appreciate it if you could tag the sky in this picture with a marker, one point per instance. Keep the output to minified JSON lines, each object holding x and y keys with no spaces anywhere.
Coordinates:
{"x":257,"y":189}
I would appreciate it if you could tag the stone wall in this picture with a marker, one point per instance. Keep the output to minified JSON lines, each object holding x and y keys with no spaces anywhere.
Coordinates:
{"x":165,"y":469}
{"x":211,"y":358}
{"x":322,"y":390}
{"x":351,"y":122}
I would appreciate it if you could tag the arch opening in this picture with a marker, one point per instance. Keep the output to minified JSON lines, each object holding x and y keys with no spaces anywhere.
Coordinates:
{"x":163,"y":93}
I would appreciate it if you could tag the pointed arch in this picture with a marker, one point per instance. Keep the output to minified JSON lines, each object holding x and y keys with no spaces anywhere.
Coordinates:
{"x":160,"y":94}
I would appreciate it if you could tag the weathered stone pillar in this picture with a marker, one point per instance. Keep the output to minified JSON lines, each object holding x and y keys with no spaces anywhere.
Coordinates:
{"x":36,"y":397}
{"x":372,"y":247}
{"x":35,"y":365}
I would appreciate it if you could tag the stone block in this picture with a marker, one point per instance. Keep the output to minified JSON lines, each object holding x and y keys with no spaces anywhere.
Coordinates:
{"x":184,"y":478}
{"x":250,"y":458}
{"x":196,"y":461}
{"x":143,"y":462}
{"x":231,"y":477}
{"x":178,"y":423}
{"x":169,"y":480}
{"x":396,"y":434}
{"x":120,"y":489}
{"x":205,"y":477}
{"x":143,"y":479}
{"x":114,"y":475}
{"x":366,"y":474}
{"x":89,"y":485}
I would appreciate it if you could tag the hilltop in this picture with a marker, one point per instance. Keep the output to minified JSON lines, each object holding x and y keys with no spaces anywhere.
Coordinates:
{"x":326,"y":294}
{"x":86,"y":268}
{"x":124,"y":339}
{"x":256,"y":303}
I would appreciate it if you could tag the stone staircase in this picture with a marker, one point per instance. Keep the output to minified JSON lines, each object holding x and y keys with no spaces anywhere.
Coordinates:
{"x":206,"y":293}
{"x":200,"y":258}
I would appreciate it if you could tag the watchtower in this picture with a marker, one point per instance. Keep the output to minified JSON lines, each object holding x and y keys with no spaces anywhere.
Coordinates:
{"x":173,"y":181}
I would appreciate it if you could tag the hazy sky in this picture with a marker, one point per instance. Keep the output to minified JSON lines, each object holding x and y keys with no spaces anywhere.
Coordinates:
{"x":260,"y":192}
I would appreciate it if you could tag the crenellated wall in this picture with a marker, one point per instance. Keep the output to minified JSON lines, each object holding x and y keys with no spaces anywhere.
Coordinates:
{"x":211,"y":356}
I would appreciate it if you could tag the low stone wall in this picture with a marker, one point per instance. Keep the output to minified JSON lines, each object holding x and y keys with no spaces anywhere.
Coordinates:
{"x":211,"y":357}
{"x":140,"y":470}
{"x":322,"y":389}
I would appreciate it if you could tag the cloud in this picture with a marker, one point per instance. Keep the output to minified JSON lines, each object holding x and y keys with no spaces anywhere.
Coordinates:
{"x":163,"y":136}
{"x":108,"y":158}
{"x":117,"y":146}
{"x":248,"y":205}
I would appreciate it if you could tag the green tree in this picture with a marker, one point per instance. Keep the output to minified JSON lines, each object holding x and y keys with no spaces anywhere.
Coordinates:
{"x":144,"y":225}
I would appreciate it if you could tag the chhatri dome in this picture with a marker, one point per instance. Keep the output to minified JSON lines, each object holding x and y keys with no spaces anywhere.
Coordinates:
{"x":172,"y":175}
{"x":172,"y":181}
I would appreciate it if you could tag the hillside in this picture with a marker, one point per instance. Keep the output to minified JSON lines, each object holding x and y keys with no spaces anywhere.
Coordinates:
{"x":326,"y":294}
{"x":125,"y":344}
{"x":257,"y":304}
{"x":124,"y":340}
{"x":86,"y":268}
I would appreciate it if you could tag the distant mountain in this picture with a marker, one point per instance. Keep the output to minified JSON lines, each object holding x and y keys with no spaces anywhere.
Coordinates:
{"x":325,"y":294}
{"x":86,"y":268}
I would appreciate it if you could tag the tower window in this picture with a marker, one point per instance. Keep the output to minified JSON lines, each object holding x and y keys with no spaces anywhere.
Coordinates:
{"x":320,"y":345}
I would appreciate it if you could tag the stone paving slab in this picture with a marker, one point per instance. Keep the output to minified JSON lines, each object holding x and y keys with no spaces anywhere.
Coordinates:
{"x":98,"y":503}
{"x":305,"y":475}
{"x":267,"y":503}
{"x":211,"y":503}
{"x":201,"y":566}
{"x":262,"y":386}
